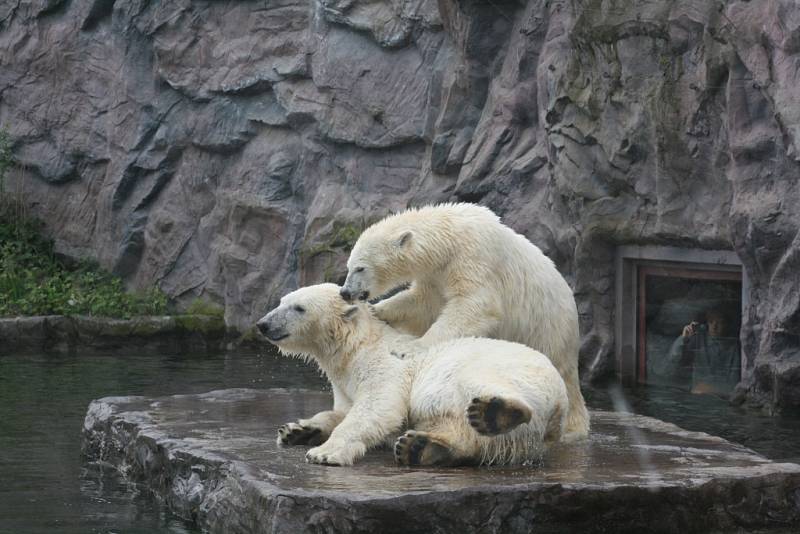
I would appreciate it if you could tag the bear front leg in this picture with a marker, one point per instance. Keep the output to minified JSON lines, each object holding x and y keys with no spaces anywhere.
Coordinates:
{"x":337,"y":452}
{"x":473,"y":316}
{"x":411,"y":311}
{"x":297,"y":434}
{"x":366,"y":425}
{"x":312,"y":431}
{"x":396,"y":308}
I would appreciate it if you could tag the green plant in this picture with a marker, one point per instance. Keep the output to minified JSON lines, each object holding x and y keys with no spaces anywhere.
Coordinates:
{"x":342,"y":237}
{"x":201,"y":306}
{"x":34,"y":282}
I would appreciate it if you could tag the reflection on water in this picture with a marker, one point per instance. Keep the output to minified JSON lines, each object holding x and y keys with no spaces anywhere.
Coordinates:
{"x":46,"y":487}
{"x":620,"y":404}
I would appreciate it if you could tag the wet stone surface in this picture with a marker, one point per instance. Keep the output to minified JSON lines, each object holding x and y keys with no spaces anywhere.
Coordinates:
{"x":214,"y":459}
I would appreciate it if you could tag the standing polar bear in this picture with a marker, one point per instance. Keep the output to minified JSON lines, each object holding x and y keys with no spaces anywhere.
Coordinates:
{"x":465,"y":401}
{"x":469,"y":275}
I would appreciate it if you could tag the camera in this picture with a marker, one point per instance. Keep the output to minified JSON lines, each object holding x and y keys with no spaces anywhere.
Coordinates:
{"x":699,"y":327}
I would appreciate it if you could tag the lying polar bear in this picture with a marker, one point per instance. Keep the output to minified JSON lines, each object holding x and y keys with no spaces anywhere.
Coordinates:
{"x":467,"y":401}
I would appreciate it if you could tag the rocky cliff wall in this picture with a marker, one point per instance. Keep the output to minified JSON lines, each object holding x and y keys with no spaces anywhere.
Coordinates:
{"x":235,"y":149}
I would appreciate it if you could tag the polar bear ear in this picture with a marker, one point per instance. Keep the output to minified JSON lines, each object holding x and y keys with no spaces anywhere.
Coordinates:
{"x":350,"y":313}
{"x":404,"y":239}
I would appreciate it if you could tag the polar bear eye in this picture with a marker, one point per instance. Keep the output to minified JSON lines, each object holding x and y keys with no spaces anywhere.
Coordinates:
{"x":359,"y":269}
{"x":299,"y":309}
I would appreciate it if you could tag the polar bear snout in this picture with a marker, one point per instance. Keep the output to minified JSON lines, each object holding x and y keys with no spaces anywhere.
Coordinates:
{"x":271,"y":329}
{"x":356,"y":285}
{"x":348,"y":295}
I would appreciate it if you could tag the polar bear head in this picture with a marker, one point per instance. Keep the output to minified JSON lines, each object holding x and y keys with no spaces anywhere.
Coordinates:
{"x":382,"y":260}
{"x":311,"y":321}
{"x":410,"y":245}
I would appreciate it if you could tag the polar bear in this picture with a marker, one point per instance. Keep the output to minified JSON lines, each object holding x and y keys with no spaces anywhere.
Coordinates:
{"x":466,"y":401}
{"x":469,"y":275}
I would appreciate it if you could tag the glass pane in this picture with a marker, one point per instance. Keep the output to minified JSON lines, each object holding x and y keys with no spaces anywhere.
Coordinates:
{"x":692,"y":333}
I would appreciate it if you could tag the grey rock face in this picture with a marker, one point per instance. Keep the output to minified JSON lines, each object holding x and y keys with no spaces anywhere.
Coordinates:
{"x":214,"y":460}
{"x":235,"y":149}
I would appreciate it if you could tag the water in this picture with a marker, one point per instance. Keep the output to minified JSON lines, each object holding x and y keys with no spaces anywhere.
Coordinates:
{"x":777,"y":438}
{"x":45,"y":486}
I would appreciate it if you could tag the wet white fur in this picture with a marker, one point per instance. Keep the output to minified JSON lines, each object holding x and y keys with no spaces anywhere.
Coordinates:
{"x":376,"y":395}
{"x":472,"y":276}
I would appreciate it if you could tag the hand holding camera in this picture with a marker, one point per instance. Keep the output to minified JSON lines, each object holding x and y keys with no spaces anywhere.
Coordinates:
{"x":693,"y":328}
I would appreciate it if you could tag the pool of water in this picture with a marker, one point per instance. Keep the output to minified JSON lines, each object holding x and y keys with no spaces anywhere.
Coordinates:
{"x":777,"y":438}
{"x":45,"y":485}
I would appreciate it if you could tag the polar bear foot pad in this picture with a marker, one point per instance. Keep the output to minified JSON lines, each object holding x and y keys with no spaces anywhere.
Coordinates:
{"x":495,"y":415}
{"x":420,"y":448}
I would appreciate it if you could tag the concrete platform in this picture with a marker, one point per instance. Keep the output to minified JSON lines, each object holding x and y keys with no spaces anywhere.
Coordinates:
{"x":213,"y":458}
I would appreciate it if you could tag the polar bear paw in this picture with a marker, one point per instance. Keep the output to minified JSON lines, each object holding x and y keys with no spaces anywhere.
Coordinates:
{"x":420,"y":448}
{"x":339,"y":453}
{"x":491,"y":416}
{"x":296,"y":434}
{"x":318,"y":455}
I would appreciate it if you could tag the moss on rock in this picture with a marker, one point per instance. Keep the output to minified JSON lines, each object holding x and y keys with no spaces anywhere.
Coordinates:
{"x":204,"y":324}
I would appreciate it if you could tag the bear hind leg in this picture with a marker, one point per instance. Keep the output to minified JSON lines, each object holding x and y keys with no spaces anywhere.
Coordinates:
{"x":490,"y":416}
{"x":415,"y":448}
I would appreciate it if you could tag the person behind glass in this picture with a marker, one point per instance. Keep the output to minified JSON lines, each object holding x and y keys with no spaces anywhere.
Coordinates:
{"x":705,"y":357}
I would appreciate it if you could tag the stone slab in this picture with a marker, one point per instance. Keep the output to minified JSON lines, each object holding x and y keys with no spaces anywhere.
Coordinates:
{"x":59,"y":333}
{"x":214,"y":459}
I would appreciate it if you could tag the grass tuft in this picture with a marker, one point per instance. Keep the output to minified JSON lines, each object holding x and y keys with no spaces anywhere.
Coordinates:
{"x":34,"y":281}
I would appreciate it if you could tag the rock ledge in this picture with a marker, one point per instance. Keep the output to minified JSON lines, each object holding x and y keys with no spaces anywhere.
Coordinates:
{"x":58,"y":333}
{"x":213,"y":458}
